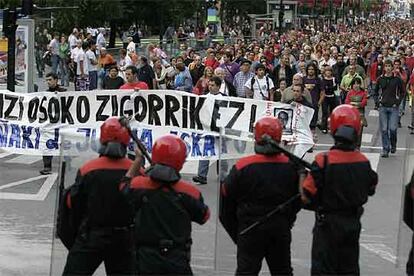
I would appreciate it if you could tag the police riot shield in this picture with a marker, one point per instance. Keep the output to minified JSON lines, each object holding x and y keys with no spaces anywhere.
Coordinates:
{"x":405,"y":232}
{"x":73,"y":154}
{"x":232,"y":149}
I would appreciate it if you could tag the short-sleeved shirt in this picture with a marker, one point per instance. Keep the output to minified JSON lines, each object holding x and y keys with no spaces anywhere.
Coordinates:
{"x":260,"y":87}
{"x":81,"y":56}
{"x":314,"y":87}
{"x":135,"y":85}
{"x":91,"y":57}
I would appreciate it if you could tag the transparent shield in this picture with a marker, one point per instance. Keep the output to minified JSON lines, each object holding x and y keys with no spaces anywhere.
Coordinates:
{"x":231,"y":151}
{"x":405,"y":234}
{"x":68,"y":168}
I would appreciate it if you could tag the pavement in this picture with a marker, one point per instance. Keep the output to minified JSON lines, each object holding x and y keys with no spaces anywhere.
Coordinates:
{"x":28,"y":209}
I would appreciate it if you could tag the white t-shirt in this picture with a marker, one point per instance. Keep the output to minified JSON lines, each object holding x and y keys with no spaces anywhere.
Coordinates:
{"x":74,"y":53}
{"x":72,"y":41}
{"x":260,"y":89}
{"x":81,"y":56}
{"x":100,"y":40}
{"x":91,"y":57}
{"x":54,"y":47}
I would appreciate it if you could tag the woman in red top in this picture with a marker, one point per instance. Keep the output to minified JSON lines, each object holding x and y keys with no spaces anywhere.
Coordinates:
{"x":211,"y":59}
{"x":358,"y":98}
{"x":201,"y":87}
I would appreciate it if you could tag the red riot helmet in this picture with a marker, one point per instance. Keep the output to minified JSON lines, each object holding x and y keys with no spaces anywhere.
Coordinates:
{"x":344,"y":117}
{"x":113,"y":131}
{"x":169,"y":150}
{"x":270,"y":126}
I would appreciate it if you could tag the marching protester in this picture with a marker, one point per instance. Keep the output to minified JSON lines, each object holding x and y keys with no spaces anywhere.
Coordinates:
{"x":226,"y":87}
{"x":214,"y":85}
{"x":260,"y":87}
{"x":82,"y":69}
{"x":132,"y":82}
{"x":53,"y":86}
{"x":105,"y":233}
{"x":242,"y":77}
{"x":113,"y":80}
{"x":256,"y":185}
{"x":391,"y":88}
{"x":358,"y":98}
{"x":287,"y":95}
{"x":330,"y":101}
{"x":337,"y":189}
{"x":164,"y":205}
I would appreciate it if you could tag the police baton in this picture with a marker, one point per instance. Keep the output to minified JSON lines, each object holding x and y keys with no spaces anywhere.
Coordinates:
{"x":271,"y":213}
{"x":124,"y":121}
{"x":294,"y":158}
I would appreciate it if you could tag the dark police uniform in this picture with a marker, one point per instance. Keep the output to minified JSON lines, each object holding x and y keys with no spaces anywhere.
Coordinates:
{"x":106,"y":232}
{"x":338,"y":186}
{"x":165,"y":207}
{"x":256,"y":185}
{"x":408,"y":219}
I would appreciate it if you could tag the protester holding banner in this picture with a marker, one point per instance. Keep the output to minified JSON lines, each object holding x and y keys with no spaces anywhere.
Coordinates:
{"x":52,"y":83}
{"x":255,"y":186}
{"x":132,"y":82}
{"x":214,"y":85}
{"x":113,"y":80}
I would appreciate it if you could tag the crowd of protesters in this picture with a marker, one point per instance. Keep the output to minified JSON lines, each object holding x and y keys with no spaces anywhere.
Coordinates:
{"x":342,"y":65}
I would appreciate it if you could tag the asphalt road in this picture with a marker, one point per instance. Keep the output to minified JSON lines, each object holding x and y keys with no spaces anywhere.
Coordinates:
{"x":28,"y":204}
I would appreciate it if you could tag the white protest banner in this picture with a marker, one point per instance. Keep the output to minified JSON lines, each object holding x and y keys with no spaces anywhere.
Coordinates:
{"x":35,"y":123}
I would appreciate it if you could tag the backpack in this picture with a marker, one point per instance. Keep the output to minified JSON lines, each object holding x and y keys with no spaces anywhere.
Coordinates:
{"x":253,"y":80}
{"x":69,"y":216}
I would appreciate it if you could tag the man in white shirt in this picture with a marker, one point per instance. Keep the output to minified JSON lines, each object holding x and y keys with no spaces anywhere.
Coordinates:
{"x":73,"y":38}
{"x":100,"y":40}
{"x":203,"y":165}
{"x":53,"y":47}
{"x":82,"y":71}
{"x":260,"y":87}
{"x":92,"y":66}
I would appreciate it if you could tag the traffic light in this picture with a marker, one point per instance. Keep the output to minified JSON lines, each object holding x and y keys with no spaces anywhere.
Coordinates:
{"x":9,"y":21}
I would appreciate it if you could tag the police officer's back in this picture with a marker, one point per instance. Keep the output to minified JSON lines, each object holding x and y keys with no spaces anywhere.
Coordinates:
{"x":105,"y":234}
{"x":256,"y":185}
{"x":338,"y":187}
{"x":165,"y":206}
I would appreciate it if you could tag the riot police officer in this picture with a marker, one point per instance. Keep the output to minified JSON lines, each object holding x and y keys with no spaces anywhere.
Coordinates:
{"x":105,"y":234}
{"x":408,"y":219}
{"x":164,"y":206}
{"x":256,"y":185}
{"x":338,"y":187}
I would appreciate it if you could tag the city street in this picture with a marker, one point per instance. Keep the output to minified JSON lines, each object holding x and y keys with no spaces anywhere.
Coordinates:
{"x":28,"y":206}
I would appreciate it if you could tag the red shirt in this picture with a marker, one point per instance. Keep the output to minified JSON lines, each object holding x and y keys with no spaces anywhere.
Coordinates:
{"x":360,"y":93}
{"x":135,"y":85}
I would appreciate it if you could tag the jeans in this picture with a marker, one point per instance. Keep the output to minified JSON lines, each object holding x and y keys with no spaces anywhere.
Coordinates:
{"x":55,"y":63}
{"x":40,"y":66}
{"x":403,"y":104}
{"x":64,"y":72}
{"x":203,"y":165}
{"x":328,"y":105}
{"x":93,"y":80}
{"x":388,"y":117}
